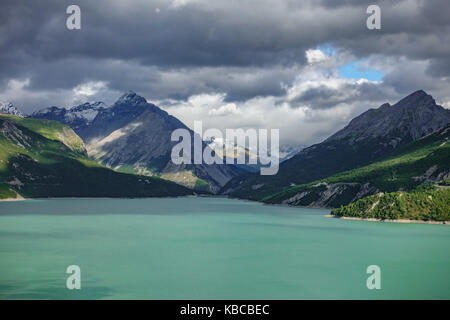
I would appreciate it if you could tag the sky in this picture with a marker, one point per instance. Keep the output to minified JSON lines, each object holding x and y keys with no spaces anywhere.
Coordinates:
{"x":304,"y":67}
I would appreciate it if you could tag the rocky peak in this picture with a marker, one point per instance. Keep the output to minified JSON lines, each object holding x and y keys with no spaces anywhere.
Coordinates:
{"x":7,"y":107}
{"x":409,"y":119}
{"x":416,"y":99}
{"x":90,"y":106}
{"x":50,"y":110}
{"x":131,"y":99}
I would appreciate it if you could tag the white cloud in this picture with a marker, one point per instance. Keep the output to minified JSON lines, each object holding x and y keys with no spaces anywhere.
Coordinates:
{"x":180,"y":3}
{"x":446,"y":105}
{"x":227,"y":109}
{"x":89,"y":88}
{"x":206,"y":100}
{"x":315,"y":56}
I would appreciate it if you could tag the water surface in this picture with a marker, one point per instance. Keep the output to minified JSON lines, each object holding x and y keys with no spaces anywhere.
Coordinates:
{"x":212,"y":248}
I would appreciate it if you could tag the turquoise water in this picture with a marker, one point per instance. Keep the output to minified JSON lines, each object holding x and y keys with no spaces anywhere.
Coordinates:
{"x":212,"y":248}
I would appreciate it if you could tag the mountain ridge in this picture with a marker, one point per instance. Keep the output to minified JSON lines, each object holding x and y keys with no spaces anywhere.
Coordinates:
{"x":133,"y":136}
{"x":424,"y":161}
{"x":380,"y":121}
{"x":369,"y":136}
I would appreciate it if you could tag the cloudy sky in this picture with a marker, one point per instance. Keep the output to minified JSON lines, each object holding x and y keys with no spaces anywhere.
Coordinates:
{"x":306,"y":67}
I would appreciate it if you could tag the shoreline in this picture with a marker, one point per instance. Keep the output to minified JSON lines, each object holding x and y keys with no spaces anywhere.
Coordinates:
{"x":17,"y":198}
{"x":248,"y":200}
{"x":13,"y":199}
{"x":94,"y":198}
{"x":389,"y":220}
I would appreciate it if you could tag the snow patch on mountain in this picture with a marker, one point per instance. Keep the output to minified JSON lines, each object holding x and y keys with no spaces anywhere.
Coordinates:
{"x":76,"y":116}
{"x":86,"y":111}
{"x":8,"y":108}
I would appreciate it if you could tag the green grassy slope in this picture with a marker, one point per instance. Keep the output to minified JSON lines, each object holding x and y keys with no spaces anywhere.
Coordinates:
{"x":407,"y":168}
{"x":34,"y":162}
{"x":421,"y":204}
{"x":52,"y":130}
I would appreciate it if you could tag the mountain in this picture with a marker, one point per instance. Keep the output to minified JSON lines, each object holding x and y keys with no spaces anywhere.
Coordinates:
{"x":43,"y":158}
{"x":224,"y":147}
{"x":77,"y":118}
{"x":133,"y":136}
{"x":423,"y":161}
{"x":8,"y":108}
{"x":374,"y":134}
{"x":287,"y":151}
{"x":411,"y":118}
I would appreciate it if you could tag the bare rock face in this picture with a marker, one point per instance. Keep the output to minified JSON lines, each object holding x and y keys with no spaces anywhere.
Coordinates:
{"x":134,"y":135}
{"x":14,"y":134}
{"x":331,"y":195}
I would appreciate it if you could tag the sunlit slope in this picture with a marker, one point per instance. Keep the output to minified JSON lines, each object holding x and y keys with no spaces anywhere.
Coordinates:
{"x":52,"y":130}
{"x":424,"y":161}
{"x":41,"y":158}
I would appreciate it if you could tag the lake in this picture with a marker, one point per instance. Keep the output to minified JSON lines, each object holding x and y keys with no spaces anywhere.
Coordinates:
{"x":212,"y":248}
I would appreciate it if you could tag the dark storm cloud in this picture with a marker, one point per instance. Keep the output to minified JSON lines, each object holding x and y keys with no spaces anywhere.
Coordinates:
{"x":133,"y":30}
{"x":325,"y":97}
{"x":322,"y":97}
{"x":216,"y":33}
{"x":241,"y":48}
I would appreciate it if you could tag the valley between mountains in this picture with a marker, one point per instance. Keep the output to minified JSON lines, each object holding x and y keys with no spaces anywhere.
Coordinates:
{"x":390,"y":162}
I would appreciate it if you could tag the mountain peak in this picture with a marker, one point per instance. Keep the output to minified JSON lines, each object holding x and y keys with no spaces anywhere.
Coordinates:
{"x":131,"y":98}
{"x":412,"y":117}
{"x":418,"y":98}
{"x":129,"y":92}
{"x":419,"y":92}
